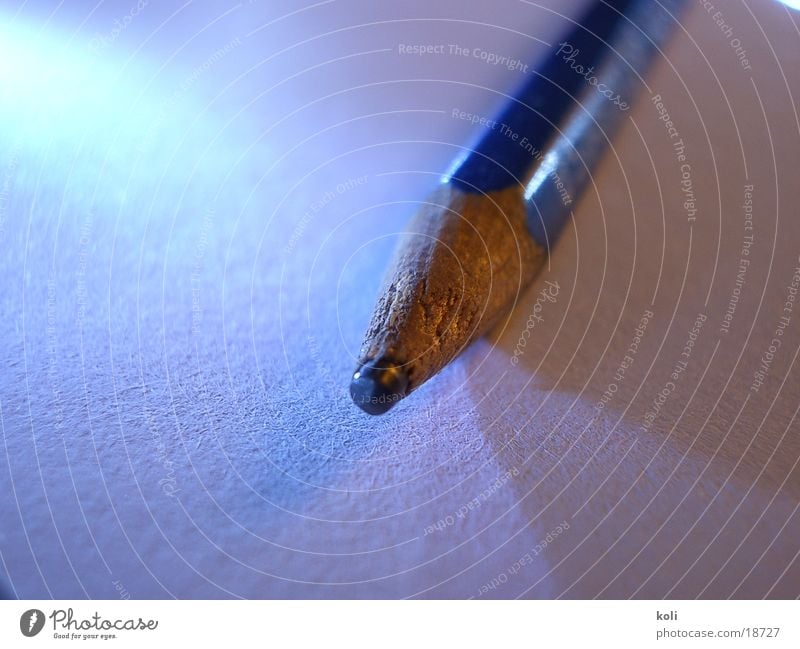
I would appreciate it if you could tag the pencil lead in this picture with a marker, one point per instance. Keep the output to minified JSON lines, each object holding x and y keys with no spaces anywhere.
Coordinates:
{"x":377,"y":385}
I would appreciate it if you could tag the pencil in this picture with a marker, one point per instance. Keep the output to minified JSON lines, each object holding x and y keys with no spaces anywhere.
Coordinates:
{"x":486,"y":231}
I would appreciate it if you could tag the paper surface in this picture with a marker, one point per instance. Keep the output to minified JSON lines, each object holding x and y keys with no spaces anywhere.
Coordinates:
{"x":197,"y":210}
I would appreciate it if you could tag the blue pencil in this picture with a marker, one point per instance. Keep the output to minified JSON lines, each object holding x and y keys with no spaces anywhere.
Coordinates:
{"x":486,"y":231}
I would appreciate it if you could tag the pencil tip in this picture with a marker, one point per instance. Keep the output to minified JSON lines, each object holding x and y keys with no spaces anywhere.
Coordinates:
{"x":377,"y":385}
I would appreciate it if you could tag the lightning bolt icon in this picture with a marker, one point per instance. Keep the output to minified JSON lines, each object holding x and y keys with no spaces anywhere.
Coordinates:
{"x":32,"y":621}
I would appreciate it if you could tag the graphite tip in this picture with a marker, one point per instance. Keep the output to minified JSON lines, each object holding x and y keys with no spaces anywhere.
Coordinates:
{"x":377,"y":385}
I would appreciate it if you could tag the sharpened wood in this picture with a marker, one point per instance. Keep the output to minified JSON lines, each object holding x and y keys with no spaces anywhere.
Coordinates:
{"x":460,"y":268}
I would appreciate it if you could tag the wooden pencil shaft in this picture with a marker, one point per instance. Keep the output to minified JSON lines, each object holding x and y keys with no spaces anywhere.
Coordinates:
{"x":482,"y":237}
